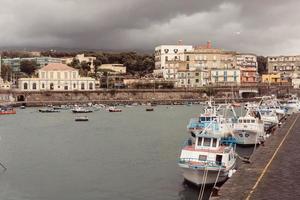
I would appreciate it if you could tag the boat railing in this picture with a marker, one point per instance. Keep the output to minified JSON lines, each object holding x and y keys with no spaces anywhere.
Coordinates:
{"x":197,"y":164}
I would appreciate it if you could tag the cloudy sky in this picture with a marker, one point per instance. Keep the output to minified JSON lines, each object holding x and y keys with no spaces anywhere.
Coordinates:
{"x":266,"y":27}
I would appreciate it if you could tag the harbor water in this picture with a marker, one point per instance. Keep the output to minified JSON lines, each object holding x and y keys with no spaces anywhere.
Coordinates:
{"x":128,"y":155}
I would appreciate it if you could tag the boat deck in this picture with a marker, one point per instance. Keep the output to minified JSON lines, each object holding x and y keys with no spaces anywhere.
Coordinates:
{"x":221,"y":149}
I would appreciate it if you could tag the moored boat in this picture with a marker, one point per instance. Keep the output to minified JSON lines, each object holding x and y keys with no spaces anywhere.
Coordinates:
{"x":81,"y":110}
{"x":48,"y":110}
{"x":149,"y":109}
{"x":114,"y":109}
{"x":81,"y":119}
{"x":7,"y":110}
{"x":249,"y":130}
{"x":208,"y":159}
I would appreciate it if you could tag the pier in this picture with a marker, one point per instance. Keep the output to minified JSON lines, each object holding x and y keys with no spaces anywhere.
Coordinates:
{"x":271,"y":173}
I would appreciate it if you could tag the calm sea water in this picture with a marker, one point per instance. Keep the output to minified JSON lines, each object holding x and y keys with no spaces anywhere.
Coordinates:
{"x":129,"y":155}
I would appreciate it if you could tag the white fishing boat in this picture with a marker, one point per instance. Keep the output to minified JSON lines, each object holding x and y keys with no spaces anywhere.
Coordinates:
{"x":212,"y":117}
{"x":207,"y":159}
{"x":292,"y":105}
{"x":249,"y":129}
{"x":81,"y":110}
{"x":269,"y":117}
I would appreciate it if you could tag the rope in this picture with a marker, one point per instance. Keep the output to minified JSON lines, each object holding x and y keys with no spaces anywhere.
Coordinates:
{"x":215,"y":182}
{"x":204,"y":178}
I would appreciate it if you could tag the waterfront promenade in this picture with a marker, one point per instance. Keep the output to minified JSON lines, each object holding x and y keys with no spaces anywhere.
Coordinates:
{"x":274,"y":169}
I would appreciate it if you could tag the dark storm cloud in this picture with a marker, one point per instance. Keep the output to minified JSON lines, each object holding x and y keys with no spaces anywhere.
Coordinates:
{"x":263,"y":27}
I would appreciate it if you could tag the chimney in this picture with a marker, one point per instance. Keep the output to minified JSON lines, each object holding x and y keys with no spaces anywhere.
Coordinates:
{"x":208,"y":44}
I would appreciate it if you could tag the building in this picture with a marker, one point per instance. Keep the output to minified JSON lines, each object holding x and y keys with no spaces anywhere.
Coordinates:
{"x":4,"y":85}
{"x":165,"y":53}
{"x":249,"y":75}
{"x":81,"y":58}
{"x":225,"y":76}
{"x":273,"y":78}
{"x":57,"y":77}
{"x":15,"y":63}
{"x":113,"y":68}
{"x":284,"y":65}
{"x":188,"y":78}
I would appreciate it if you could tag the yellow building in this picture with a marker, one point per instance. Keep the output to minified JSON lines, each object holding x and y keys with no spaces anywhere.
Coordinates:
{"x":273,"y":78}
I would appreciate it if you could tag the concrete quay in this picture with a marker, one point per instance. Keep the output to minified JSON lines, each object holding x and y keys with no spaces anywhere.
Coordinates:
{"x":274,"y":169}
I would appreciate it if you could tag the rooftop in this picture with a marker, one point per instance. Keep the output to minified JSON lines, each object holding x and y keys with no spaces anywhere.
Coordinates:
{"x":57,"y":67}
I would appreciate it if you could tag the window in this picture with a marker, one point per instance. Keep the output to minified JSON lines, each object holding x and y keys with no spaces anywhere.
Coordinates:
{"x":25,"y":86}
{"x":199,"y":141}
{"x":91,"y":86}
{"x":187,"y":58}
{"x":206,"y":142}
{"x":66,"y":75}
{"x":188,"y":66}
{"x":74,"y":75}
{"x":74,"y":85}
{"x":202,"y":157}
{"x":51,"y":86}
{"x":197,"y":80}
{"x":58,"y":75}
{"x":196,"y":74}
{"x":43,"y":75}
{"x":166,"y":58}
{"x":214,"y":144}
{"x":66,"y":87}
{"x":43,"y":85}
{"x":82,"y":86}
{"x":51,"y":75}
{"x":34,"y":86}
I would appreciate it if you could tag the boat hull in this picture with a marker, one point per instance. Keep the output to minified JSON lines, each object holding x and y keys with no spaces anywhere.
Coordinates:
{"x":11,"y":112}
{"x":247,"y":137}
{"x":195,"y":176}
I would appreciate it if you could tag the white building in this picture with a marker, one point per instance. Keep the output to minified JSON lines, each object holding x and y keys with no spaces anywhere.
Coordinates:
{"x":246,"y":60}
{"x":165,"y":53}
{"x":57,"y":77}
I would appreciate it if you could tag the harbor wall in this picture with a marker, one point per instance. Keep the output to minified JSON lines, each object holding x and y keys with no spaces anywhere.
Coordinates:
{"x":141,"y":95}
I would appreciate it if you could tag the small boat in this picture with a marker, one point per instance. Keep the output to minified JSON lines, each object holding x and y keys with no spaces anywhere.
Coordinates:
{"x":7,"y":111}
{"x":22,"y":107}
{"x":249,"y":130}
{"x":208,"y":159}
{"x":81,"y":110}
{"x":149,"y":109}
{"x":114,"y":109}
{"x":82,"y":119}
{"x":48,"y":110}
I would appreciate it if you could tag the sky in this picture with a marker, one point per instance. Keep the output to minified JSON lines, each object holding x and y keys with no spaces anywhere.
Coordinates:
{"x":264,"y":27}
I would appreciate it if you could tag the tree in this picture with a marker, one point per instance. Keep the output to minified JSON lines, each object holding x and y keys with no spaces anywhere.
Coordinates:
{"x":28,"y":66}
{"x":75,"y":63}
{"x":6,"y":72}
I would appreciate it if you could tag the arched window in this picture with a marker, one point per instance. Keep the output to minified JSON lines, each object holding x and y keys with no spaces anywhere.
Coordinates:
{"x":91,"y":86}
{"x":74,"y":85}
{"x":43,"y":85}
{"x":34,"y":86}
{"x":51,"y":86}
{"x":82,"y":86}
{"x":25,"y":86}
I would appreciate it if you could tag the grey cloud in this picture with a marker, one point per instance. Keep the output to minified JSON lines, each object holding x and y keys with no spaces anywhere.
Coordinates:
{"x":262,"y":27}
